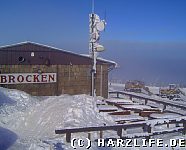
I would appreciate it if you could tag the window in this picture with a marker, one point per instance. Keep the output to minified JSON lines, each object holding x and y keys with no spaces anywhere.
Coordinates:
{"x":32,"y":54}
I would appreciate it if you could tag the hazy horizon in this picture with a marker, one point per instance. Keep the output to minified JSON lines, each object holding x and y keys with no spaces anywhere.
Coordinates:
{"x":146,"y":38}
{"x":153,"y":63}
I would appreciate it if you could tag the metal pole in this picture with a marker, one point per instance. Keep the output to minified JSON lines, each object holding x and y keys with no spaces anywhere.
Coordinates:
{"x":92,"y":6}
{"x":93,"y":71}
{"x":101,"y":81}
{"x":91,"y":47}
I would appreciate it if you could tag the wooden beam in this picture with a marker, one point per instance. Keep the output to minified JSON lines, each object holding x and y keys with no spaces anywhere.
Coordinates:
{"x":89,"y":136}
{"x":167,"y":102}
{"x":68,"y":137}
{"x":119,"y":132}
{"x":101,"y":134}
{"x":118,"y":128}
{"x":99,"y":128}
{"x":184,"y":127}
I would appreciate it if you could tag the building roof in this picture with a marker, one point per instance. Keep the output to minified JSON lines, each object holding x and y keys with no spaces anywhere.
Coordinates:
{"x":31,"y":53}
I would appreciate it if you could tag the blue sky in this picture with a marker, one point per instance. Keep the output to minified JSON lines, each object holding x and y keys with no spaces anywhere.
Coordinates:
{"x":143,"y":36}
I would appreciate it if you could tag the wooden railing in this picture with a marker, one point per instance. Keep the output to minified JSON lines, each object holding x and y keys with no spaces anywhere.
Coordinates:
{"x":148,"y":98}
{"x":146,"y":126}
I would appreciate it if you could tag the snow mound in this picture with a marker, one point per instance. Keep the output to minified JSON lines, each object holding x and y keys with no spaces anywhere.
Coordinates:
{"x":19,"y":101}
{"x":4,"y":100}
{"x":32,"y":117}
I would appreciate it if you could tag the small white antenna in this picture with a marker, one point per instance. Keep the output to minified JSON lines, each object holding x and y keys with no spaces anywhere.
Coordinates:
{"x":105,"y":18}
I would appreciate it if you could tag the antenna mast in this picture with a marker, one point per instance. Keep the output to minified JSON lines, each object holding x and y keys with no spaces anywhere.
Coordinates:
{"x":95,"y":26}
{"x":92,"y":6}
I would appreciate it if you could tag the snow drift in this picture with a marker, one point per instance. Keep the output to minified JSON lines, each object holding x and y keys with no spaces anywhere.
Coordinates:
{"x":33,"y":117}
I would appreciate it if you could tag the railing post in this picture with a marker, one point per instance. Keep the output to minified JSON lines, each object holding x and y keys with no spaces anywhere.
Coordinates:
{"x":145,"y":101}
{"x":101,"y":134}
{"x":164,"y":106}
{"x":68,"y":137}
{"x":167,"y":124}
{"x":117,"y":94}
{"x":89,"y":136}
{"x":184,"y":127}
{"x":119,"y":132}
{"x":147,"y":128}
{"x":177,"y":124}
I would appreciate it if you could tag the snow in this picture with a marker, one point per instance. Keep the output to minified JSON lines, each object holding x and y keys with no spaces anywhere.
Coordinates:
{"x":153,"y":89}
{"x":140,"y":107}
{"x":28,"y":122}
{"x":20,"y":101}
{"x":168,"y":130}
{"x":7,"y":138}
{"x":157,"y":99}
{"x":5,"y":100}
{"x":25,"y":42}
{"x":184,"y":90}
{"x":130,"y":136}
{"x":107,"y":107}
{"x":101,"y":103}
{"x":162,"y":120}
{"x":123,"y":101}
{"x":102,"y":59}
{"x":82,"y":55}
{"x":116,"y":86}
{"x":164,"y":115}
{"x":127,"y":117}
{"x":34,"y":119}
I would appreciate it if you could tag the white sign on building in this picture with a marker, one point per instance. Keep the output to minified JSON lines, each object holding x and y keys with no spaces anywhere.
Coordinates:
{"x":22,"y":78}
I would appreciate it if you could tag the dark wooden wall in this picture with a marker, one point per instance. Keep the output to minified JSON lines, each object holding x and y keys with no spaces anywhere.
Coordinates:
{"x":71,"y":79}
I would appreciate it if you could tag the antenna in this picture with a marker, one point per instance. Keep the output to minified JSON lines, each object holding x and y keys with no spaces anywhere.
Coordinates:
{"x":92,"y":6}
{"x":105,"y":17}
{"x":95,"y":27}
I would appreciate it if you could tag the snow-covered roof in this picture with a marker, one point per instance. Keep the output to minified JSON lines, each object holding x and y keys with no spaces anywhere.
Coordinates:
{"x":35,"y":43}
{"x":102,"y":59}
{"x":59,"y":49}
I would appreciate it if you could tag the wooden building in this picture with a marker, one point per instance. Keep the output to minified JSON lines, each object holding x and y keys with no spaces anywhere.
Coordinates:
{"x":43,"y":70}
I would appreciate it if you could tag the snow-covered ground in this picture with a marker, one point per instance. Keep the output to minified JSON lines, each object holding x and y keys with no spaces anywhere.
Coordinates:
{"x":28,"y":122}
{"x":33,"y":120}
{"x":116,"y":86}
